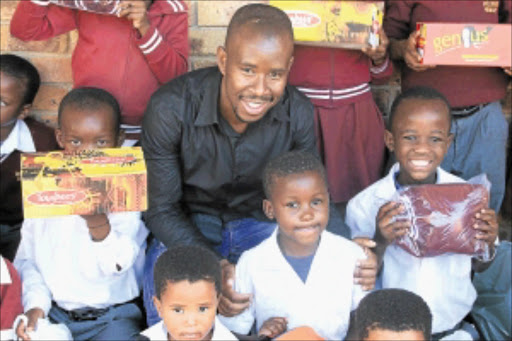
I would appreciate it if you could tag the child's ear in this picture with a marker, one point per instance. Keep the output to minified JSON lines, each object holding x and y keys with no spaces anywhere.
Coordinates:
{"x":268,"y":209}
{"x":389,"y":141}
{"x":59,"y":137}
{"x":158,"y":305}
{"x":221,"y":59}
{"x":25,"y":109}
{"x":121,"y":136}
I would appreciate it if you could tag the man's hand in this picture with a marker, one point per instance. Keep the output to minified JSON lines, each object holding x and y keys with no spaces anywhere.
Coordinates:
{"x":378,"y":54}
{"x":366,"y":270}
{"x":273,"y":327}
{"x":407,"y":51}
{"x":33,"y":315}
{"x":99,"y":226}
{"x":231,"y":303}
{"x":388,"y":227}
{"x":137,"y":12}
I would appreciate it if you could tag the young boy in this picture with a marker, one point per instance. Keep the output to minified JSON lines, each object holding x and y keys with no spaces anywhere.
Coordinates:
{"x":19,"y":82}
{"x":392,"y":314}
{"x":419,"y":135}
{"x":301,"y":275}
{"x":84,"y":271}
{"x":187,"y":289}
{"x":129,"y":56}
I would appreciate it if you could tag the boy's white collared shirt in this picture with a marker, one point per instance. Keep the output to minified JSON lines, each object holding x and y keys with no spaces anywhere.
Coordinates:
{"x":324,"y":302}
{"x":159,"y":332}
{"x":58,"y":261}
{"x":443,"y":281}
{"x":20,"y":139}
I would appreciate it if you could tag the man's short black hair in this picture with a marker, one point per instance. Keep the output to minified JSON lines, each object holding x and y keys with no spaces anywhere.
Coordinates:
{"x":24,"y":71}
{"x":268,"y":20}
{"x":91,"y":99}
{"x":392,"y":309}
{"x":418,"y":92}
{"x":294,"y":162}
{"x":186,"y":263}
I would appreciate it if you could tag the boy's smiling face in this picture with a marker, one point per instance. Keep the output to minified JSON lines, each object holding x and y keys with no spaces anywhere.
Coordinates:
{"x":82,"y":129}
{"x":300,"y":204}
{"x":188,"y":309}
{"x":420,"y":138}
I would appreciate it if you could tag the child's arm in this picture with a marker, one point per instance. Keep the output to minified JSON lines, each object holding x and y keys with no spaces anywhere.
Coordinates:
{"x":487,"y":226}
{"x":162,"y":39}
{"x":381,"y":67}
{"x":388,"y":227}
{"x":37,"y":22}
{"x":116,"y":242}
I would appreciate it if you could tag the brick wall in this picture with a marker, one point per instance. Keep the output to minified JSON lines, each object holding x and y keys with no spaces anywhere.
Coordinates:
{"x":207,"y":20}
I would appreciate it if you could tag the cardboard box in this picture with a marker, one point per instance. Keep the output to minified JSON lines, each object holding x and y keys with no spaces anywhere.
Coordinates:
{"x":465,"y":44}
{"x":96,"y":181}
{"x":343,"y":24}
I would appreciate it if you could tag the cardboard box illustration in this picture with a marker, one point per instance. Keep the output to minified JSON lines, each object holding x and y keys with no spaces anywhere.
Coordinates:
{"x":465,"y":44}
{"x":340,"y":23}
{"x":96,"y":181}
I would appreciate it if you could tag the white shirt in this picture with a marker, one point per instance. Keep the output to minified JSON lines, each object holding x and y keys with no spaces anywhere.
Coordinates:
{"x":58,"y":260}
{"x":159,"y":332}
{"x":20,"y":139}
{"x":323,"y":303}
{"x":443,"y":281}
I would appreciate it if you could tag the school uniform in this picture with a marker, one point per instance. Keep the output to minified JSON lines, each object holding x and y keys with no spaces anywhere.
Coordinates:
{"x":349,"y":126}
{"x":474,"y":93}
{"x":323,"y":302}
{"x":10,"y":298}
{"x":443,"y":281}
{"x":159,"y":332}
{"x":27,"y":136}
{"x":88,"y":286}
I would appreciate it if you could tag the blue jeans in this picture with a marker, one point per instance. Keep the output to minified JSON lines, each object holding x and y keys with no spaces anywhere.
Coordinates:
{"x":237,"y":237}
{"x":479,"y":146}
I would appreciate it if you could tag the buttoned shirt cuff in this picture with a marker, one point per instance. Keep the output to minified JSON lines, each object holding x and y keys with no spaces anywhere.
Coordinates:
{"x":41,"y":2}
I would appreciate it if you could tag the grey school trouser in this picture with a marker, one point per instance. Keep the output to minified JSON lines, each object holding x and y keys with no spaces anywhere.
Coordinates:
{"x":479,"y":146}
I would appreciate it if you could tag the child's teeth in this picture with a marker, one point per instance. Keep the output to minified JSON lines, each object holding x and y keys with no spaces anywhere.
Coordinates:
{"x":420,"y":163}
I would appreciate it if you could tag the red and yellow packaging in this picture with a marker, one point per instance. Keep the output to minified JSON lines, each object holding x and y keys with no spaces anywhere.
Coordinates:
{"x":96,"y":181}
{"x":340,"y":23}
{"x":465,"y":44}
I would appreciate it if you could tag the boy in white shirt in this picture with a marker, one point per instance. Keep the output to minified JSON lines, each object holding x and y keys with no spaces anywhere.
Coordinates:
{"x":187,"y":289}
{"x":301,"y":274}
{"x":419,"y":135}
{"x":84,"y":271}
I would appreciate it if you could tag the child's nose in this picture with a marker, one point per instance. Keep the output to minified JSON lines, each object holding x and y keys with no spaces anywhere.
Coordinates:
{"x":307,"y":214}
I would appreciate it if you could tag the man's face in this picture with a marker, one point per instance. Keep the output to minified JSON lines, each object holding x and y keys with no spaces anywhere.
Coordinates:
{"x":255,"y":69}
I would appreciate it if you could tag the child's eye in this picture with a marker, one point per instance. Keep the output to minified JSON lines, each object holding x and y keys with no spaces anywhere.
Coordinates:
{"x":102,"y":143}
{"x":3,"y":104}
{"x":203,"y":309}
{"x":436,"y":139}
{"x":75,"y":143}
{"x":409,"y":137}
{"x":247,"y":70}
{"x":316,"y":202}
{"x":177,"y":310}
{"x":275,"y":75}
{"x":292,"y":204}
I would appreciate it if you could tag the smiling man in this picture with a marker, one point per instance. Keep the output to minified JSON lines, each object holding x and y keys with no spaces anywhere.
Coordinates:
{"x":207,"y":137}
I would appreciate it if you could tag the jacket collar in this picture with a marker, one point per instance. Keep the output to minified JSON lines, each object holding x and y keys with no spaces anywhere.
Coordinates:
{"x":209,"y":103}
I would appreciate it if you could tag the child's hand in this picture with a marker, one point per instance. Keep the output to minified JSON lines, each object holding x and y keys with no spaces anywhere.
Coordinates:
{"x":508,"y":70}
{"x":365,"y":273}
{"x":388,"y":227}
{"x":32,"y":315}
{"x":273,"y":327}
{"x":137,"y":12}
{"x":231,"y":302}
{"x":378,"y":54}
{"x":99,"y":226}
{"x":487,"y":226}
{"x":411,"y":56}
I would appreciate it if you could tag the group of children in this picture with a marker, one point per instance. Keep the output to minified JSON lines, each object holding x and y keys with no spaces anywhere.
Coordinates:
{"x":81,"y":275}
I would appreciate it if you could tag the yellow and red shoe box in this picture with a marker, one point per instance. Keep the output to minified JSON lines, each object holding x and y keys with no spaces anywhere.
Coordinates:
{"x":465,"y":44}
{"x":344,"y":24}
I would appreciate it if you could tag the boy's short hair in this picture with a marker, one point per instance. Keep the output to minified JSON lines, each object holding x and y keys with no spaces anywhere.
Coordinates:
{"x":392,"y":309}
{"x":91,"y":99}
{"x":24,"y":71}
{"x":186,"y":263}
{"x":268,"y":19}
{"x":294,"y":162}
{"x":418,"y":92}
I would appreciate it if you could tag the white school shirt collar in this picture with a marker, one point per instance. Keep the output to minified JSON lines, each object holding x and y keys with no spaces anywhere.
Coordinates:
{"x":5,"y":276}
{"x":20,"y":139}
{"x":220,"y":332}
